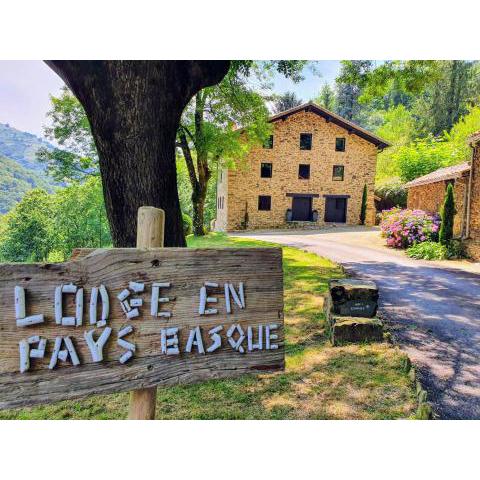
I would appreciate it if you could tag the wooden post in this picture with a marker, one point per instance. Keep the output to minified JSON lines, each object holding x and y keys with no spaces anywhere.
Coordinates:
{"x":150,"y":234}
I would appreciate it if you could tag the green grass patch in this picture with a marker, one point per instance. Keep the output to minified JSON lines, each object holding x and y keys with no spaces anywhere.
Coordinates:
{"x":320,"y":381}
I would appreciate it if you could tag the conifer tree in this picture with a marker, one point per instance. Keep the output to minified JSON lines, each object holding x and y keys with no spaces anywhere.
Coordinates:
{"x":448,"y":214}
{"x":363,"y":209}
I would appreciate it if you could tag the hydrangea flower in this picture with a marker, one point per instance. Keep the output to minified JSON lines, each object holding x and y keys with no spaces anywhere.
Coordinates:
{"x":404,"y":228}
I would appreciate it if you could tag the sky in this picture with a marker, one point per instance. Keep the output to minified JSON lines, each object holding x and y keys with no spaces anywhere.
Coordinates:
{"x":325,"y":71}
{"x":26,"y":86}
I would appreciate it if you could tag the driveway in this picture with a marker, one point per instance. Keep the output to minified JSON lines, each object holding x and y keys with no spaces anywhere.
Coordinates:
{"x":433,"y":309}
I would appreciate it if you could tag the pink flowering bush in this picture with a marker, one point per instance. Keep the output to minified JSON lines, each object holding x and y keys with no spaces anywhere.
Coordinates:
{"x":404,"y":228}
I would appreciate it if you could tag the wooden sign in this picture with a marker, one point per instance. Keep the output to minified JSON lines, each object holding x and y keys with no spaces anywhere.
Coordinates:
{"x":122,"y":319}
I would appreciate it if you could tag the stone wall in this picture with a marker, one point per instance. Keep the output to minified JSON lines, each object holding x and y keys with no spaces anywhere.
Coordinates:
{"x":460,"y":191}
{"x":245,"y":184}
{"x":475,"y":196}
{"x":472,"y":244}
{"x":430,"y":197}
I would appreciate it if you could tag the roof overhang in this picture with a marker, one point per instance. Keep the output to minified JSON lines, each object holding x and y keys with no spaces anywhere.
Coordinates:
{"x":440,"y":175}
{"x":350,"y":127}
{"x":474,"y":139}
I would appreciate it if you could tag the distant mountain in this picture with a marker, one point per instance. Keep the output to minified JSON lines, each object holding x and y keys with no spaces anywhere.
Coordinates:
{"x":19,"y":169}
{"x":21,"y":146}
{"x":15,"y":181}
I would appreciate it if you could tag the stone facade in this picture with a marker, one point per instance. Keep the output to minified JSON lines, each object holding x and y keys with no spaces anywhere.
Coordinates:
{"x":472,"y":243}
{"x":430,"y":197}
{"x":240,"y":188}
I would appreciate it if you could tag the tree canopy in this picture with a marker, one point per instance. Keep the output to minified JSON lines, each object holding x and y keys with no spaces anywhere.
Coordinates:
{"x":69,"y":127}
{"x":210,"y":135}
{"x":46,"y":226}
{"x":286,"y":101}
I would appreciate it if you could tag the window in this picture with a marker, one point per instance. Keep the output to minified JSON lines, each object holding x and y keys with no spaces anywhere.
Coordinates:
{"x":264,"y":202}
{"x":266,"y":170}
{"x":338,"y":171}
{"x":340,"y":145}
{"x":269,"y":142}
{"x":220,"y":203}
{"x":304,"y":172}
{"x":305,"y":141}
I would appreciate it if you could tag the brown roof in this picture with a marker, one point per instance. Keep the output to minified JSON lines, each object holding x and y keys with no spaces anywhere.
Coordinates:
{"x":447,"y":173}
{"x":474,"y":138}
{"x":334,"y":118}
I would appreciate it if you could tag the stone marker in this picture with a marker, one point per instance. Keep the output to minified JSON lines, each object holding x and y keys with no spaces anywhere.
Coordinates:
{"x":354,"y":298}
{"x":355,"y":329}
{"x":350,"y":307}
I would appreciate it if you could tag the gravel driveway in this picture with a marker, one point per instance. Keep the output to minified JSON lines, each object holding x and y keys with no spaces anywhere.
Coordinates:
{"x":433,"y":309}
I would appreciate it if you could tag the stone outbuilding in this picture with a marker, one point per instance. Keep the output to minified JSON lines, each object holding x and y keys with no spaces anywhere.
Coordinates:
{"x":428,"y":192}
{"x":311,"y":172}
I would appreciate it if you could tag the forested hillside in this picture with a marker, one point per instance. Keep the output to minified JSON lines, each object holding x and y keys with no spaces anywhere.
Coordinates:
{"x":15,"y":181}
{"x":20,"y":171}
{"x":21,"y":146}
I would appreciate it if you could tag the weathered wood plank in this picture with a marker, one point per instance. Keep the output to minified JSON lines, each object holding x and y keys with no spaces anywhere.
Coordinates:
{"x":259,"y":269}
{"x":150,"y":234}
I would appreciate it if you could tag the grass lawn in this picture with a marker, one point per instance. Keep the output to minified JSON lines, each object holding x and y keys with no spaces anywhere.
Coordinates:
{"x":320,"y":381}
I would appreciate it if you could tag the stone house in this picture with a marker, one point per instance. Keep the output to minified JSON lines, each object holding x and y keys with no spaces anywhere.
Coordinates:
{"x":311,"y":172}
{"x":428,"y":192}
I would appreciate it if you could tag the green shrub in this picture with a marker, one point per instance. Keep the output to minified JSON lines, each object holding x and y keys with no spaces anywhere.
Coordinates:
{"x":448,"y":214}
{"x":428,"y":251}
{"x":363,"y":208}
{"x":187,"y":224}
{"x":391,"y":193}
{"x":456,"y":249}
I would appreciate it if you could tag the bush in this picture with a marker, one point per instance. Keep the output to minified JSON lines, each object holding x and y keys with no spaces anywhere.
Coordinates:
{"x":456,"y":249}
{"x":187,"y":224}
{"x":436,"y":251}
{"x":448,"y":215}
{"x":391,"y":194}
{"x":404,"y":228}
{"x":428,"y":251}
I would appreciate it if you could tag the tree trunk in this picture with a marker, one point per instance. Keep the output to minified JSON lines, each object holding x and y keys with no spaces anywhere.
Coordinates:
{"x":198,"y":201}
{"x":134,"y":109}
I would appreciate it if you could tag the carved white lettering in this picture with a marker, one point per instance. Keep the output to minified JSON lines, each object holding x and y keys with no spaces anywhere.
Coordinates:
{"x":195,"y":339}
{"x":169,"y":341}
{"x":236,"y":344}
{"x":96,"y":347}
{"x":216,"y":338}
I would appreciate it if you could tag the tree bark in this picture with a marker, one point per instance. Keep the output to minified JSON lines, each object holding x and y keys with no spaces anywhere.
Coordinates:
{"x":198,"y":200}
{"x":134,"y":109}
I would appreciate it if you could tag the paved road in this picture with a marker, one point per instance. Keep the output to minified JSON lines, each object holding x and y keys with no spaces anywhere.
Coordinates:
{"x":434,"y":310}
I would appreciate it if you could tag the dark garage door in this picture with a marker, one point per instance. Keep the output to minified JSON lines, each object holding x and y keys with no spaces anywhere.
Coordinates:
{"x":335,"y":210}
{"x":302,"y":209}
